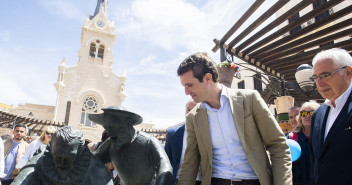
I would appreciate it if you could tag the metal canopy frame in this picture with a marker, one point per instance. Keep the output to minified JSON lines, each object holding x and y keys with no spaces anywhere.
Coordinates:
{"x":279,"y":54}
{"x":8,"y":120}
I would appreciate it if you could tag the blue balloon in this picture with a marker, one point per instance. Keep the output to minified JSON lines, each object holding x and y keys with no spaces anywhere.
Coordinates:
{"x":295,"y":149}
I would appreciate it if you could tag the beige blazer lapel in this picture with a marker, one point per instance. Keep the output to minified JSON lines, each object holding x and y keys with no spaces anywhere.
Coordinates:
{"x":236,"y":104}
{"x":204,"y":130}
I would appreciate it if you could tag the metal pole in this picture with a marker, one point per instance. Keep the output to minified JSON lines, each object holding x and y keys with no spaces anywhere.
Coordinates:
{"x":283,"y":88}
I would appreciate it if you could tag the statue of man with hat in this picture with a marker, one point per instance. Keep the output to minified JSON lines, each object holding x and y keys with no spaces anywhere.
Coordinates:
{"x":66,"y":161}
{"x":138,"y":157}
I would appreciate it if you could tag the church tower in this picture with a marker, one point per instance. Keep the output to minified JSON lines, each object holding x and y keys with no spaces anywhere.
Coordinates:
{"x":91,"y":84}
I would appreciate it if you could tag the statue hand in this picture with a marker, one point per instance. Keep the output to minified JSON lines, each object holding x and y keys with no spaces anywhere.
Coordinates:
{"x":164,"y":179}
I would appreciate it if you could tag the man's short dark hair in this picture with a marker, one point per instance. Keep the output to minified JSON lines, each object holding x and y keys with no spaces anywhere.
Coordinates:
{"x":20,"y":125}
{"x":200,"y":64}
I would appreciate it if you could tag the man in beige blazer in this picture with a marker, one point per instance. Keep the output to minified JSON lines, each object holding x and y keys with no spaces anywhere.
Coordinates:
{"x":245,"y":145}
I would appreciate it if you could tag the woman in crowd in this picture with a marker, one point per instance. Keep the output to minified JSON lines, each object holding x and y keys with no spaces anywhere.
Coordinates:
{"x":301,"y":167}
{"x":44,"y":139}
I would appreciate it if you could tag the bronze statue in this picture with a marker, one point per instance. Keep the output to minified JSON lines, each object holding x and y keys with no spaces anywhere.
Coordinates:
{"x":138,"y":158}
{"x":66,"y":161}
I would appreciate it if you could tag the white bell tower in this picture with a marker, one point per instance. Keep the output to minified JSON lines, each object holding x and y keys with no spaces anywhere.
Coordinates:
{"x":91,"y":84}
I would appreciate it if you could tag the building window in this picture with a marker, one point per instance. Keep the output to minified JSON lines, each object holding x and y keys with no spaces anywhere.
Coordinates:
{"x":240,"y":85}
{"x":67,"y":116}
{"x":90,"y":106}
{"x":92,"y":50}
{"x":316,"y":4}
{"x":101,"y":52}
{"x":293,"y":19}
{"x":258,"y":82}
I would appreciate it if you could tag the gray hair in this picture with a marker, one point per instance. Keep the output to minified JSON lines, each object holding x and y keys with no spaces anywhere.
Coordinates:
{"x":294,"y":107}
{"x":340,"y":57}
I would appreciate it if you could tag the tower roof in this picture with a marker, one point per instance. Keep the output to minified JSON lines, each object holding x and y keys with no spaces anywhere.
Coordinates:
{"x":102,"y":5}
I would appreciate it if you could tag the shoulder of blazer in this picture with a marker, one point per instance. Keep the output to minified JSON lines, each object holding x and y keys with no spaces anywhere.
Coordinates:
{"x":7,"y":146}
{"x":323,"y":106}
{"x":240,"y":92}
{"x":172,"y":130}
{"x":320,"y":110}
{"x":8,"y":143}
{"x":24,"y":143}
{"x":195,"y":110}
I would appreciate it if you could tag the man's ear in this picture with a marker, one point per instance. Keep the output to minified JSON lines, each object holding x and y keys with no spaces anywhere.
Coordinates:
{"x":208,"y":77}
{"x":349,"y":71}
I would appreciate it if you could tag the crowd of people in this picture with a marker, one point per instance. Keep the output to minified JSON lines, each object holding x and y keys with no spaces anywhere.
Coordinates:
{"x":18,"y":149}
{"x":232,"y":138}
{"x":229,"y":136}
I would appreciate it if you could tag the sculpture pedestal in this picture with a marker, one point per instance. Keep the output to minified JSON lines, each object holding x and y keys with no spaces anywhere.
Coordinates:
{"x":226,"y":75}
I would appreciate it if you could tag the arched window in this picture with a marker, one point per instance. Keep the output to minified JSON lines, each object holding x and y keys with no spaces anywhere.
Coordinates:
{"x":90,"y":105}
{"x":92,"y":50}
{"x":101,"y":52}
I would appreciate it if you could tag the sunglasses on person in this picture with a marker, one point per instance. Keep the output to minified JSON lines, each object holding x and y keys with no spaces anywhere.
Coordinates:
{"x":48,"y":133}
{"x":305,"y":113}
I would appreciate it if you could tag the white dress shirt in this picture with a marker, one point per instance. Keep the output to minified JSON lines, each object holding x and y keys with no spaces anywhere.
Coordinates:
{"x":229,"y":159}
{"x":35,"y":145}
{"x":335,"y":111}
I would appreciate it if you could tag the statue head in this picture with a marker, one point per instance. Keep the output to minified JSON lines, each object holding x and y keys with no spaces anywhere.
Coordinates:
{"x":66,"y":144}
{"x":118,"y":123}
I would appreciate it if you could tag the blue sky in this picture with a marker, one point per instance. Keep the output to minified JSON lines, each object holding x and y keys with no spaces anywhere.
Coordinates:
{"x":153,"y":37}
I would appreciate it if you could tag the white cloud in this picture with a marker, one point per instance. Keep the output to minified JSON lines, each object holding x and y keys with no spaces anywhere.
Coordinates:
{"x":168,"y":24}
{"x":151,"y":65}
{"x":12,"y":93}
{"x":25,"y":77}
{"x":64,"y":8}
{"x":175,"y":24}
{"x":155,"y":89}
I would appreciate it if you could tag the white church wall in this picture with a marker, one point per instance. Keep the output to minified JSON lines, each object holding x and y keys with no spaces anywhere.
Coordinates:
{"x":92,"y":77}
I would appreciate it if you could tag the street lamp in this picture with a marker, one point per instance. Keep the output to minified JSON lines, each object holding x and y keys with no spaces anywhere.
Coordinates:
{"x":305,"y":84}
{"x":303,"y":76}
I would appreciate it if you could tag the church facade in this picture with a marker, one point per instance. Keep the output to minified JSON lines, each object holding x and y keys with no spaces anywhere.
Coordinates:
{"x":91,"y":84}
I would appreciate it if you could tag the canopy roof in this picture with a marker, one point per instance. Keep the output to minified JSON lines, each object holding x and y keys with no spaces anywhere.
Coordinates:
{"x":278,"y":51}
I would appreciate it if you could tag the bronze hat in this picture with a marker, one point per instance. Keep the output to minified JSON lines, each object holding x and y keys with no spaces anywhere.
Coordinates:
{"x":118,"y":111}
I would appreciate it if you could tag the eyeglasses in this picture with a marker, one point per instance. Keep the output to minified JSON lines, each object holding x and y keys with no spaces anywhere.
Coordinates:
{"x":326,"y":75}
{"x":48,"y":133}
{"x":305,"y":113}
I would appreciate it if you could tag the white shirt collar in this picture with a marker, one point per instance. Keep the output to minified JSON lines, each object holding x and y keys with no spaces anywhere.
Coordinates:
{"x":223,"y":99}
{"x":341,"y":100}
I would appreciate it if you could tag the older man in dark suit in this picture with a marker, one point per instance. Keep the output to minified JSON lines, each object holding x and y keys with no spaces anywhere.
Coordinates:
{"x":331,"y":129}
